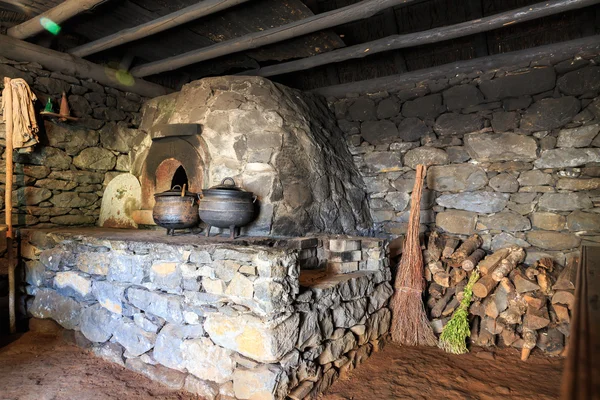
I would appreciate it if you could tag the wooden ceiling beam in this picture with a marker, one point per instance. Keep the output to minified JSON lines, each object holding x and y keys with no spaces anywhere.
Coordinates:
{"x":395,"y":42}
{"x":56,"y":15}
{"x":555,"y":52}
{"x":187,"y":14}
{"x":354,"y":12}
{"x":56,"y":61}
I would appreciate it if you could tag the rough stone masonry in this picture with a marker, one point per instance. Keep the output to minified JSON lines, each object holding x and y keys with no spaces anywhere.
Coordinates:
{"x":513,"y":154}
{"x":225,"y":321}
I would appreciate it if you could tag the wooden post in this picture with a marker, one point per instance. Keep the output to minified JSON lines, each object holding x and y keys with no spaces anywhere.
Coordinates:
{"x":8,"y":204}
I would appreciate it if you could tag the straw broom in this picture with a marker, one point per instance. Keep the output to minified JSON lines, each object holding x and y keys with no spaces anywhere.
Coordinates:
{"x":410,"y":326}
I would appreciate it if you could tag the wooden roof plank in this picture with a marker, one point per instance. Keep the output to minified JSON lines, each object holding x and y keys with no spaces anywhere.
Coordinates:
{"x":395,"y":42}
{"x":153,"y":27}
{"x":360,"y":10}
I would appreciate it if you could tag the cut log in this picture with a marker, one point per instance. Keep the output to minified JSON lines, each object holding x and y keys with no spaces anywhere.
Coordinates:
{"x":420,"y":38}
{"x":507,"y":285}
{"x":354,"y":12}
{"x":515,"y":256}
{"x":496,"y":303}
{"x":522,"y":284}
{"x":546,"y":263}
{"x":529,"y":341}
{"x":442,"y":279}
{"x":565,"y":298}
{"x":566,"y":279}
{"x":457,"y":275}
{"x":473,"y":260}
{"x":450,"y":308}
{"x":484,"y":286}
{"x":512,"y":316}
{"x":562,"y":313}
{"x":551,"y":342}
{"x":508,"y":337}
{"x":435,"y":245}
{"x":489,"y":263}
{"x":490,"y":325}
{"x":460,"y":289}
{"x":450,"y":244}
{"x":531,"y":273}
{"x":439,"y":307}
{"x":474,"y":337}
{"x":485,"y":338}
{"x":435,"y":291}
{"x":544,"y":281}
{"x":465,"y":249}
{"x":534,"y":301}
{"x":435,"y":267}
{"x":438,"y":324}
{"x":477,"y":309}
{"x":155,"y":26}
{"x":536,"y":318}
{"x":62,"y":12}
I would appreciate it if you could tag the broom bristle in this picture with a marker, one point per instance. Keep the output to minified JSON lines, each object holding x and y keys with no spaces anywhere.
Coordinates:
{"x":410,"y":325}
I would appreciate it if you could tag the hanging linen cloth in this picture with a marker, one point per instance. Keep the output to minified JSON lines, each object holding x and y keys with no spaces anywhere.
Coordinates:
{"x":25,"y":127}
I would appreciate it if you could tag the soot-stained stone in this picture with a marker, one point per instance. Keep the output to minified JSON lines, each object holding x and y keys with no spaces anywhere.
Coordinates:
{"x":505,"y":121}
{"x":377,"y":132}
{"x":412,"y":129}
{"x":462,"y":96}
{"x":570,"y":65}
{"x":516,"y":103}
{"x":362,"y":109}
{"x":576,"y":83}
{"x":388,"y":108}
{"x":457,"y":154}
{"x":424,"y":107}
{"x":501,"y":147}
{"x":456,"y":124}
{"x":383,"y":161}
{"x":550,"y":113}
{"x":532,"y":81}
{"x":425,"y":155}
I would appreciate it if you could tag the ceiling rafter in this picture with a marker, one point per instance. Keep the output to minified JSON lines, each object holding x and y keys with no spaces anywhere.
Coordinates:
{"x":53,"y":60}
{"x":354,"y":12}
{"x":394,"y":42}
{"x":179,"y":17}
{"x":57,"y":15}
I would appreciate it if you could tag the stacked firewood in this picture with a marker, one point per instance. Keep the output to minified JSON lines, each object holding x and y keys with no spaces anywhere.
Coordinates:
{"x":513,"y":304}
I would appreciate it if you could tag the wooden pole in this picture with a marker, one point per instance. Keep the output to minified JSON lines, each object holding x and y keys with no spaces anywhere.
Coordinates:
{"x":588,"y":45}
{"x":57,"y":15}
{"x":20,"y":50}
{"x":153,"y":27}
{"x":395,"y":42}
{"x":354,"y":12}
{"x":8,"y":203}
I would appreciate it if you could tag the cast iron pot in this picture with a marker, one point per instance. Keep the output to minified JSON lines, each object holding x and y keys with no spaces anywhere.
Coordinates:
{"x":176,"y":209}
{"x":226,"y":206}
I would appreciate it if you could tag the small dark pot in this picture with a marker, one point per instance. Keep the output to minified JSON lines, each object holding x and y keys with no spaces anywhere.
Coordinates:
{"x":226,"y":206}
{"x":176,"y":209}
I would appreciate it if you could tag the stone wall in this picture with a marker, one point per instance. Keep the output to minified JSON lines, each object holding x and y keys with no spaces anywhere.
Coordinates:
{"x":277,"y":142}
{"x":514,"y":154}
{"x":62,"y":181}
{"x":226,"y":321}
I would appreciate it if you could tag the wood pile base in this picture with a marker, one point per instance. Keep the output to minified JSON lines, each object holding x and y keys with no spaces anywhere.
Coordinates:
{"x":513,"y":304}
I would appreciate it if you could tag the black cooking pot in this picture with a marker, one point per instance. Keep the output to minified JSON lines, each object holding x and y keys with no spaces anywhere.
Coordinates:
{"x":176,"y":209}
{"x":226,"y":206}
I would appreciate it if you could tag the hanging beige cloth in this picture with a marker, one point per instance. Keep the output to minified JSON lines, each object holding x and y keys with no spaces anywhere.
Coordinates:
{"x":25,"y":127}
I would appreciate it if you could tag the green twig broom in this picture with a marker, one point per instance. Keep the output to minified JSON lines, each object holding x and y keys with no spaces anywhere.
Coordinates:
{"x":410,"y":325}
{"x":456,"y":331}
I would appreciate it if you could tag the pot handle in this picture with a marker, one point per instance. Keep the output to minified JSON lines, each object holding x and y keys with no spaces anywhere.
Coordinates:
{"x":228,"y":179}
{"x":254,"y":198}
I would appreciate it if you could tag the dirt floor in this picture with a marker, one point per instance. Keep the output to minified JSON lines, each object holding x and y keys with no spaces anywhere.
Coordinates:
{"x":37,"y":367}
{"x":429,"y":373}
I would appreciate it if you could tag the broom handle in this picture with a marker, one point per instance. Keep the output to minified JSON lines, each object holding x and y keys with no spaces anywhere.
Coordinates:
{"x":8,"y":204}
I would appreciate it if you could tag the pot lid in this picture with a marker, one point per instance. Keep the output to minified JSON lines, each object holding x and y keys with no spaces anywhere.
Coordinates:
{"x":228,"y":186}
{"x":176,"y":191}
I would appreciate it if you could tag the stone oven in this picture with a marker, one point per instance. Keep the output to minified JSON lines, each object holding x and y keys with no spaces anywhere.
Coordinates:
{"x":279,"y":143}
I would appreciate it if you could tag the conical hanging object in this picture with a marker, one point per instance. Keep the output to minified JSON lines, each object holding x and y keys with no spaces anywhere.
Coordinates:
{"x":49,"y":108}
{"x":64,"y":107}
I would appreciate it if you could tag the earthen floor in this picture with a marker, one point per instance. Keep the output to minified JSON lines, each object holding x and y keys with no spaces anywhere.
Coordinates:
{"x":45,"y":367}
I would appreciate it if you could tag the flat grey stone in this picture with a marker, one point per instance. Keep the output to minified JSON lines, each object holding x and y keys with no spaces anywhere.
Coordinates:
{"x":426,"y":156}
{"x":505,"y":221}
{"x":459,"y":222}
{"x":480,"y":202}
{"x":97,"y":323}
{"x":531,"y":81}
{"x":500,"y":147}
{"x":564,"y":201}
{"x":577,"y":137}
{"x":505,"y":183}
{"x":456,"y":178}
{"x":553,"y":240}
{"x":550,"y":113}
{"x":458,"y":124}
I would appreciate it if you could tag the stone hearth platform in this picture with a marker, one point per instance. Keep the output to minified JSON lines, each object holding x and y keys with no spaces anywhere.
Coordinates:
{"x":249,"y":318}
